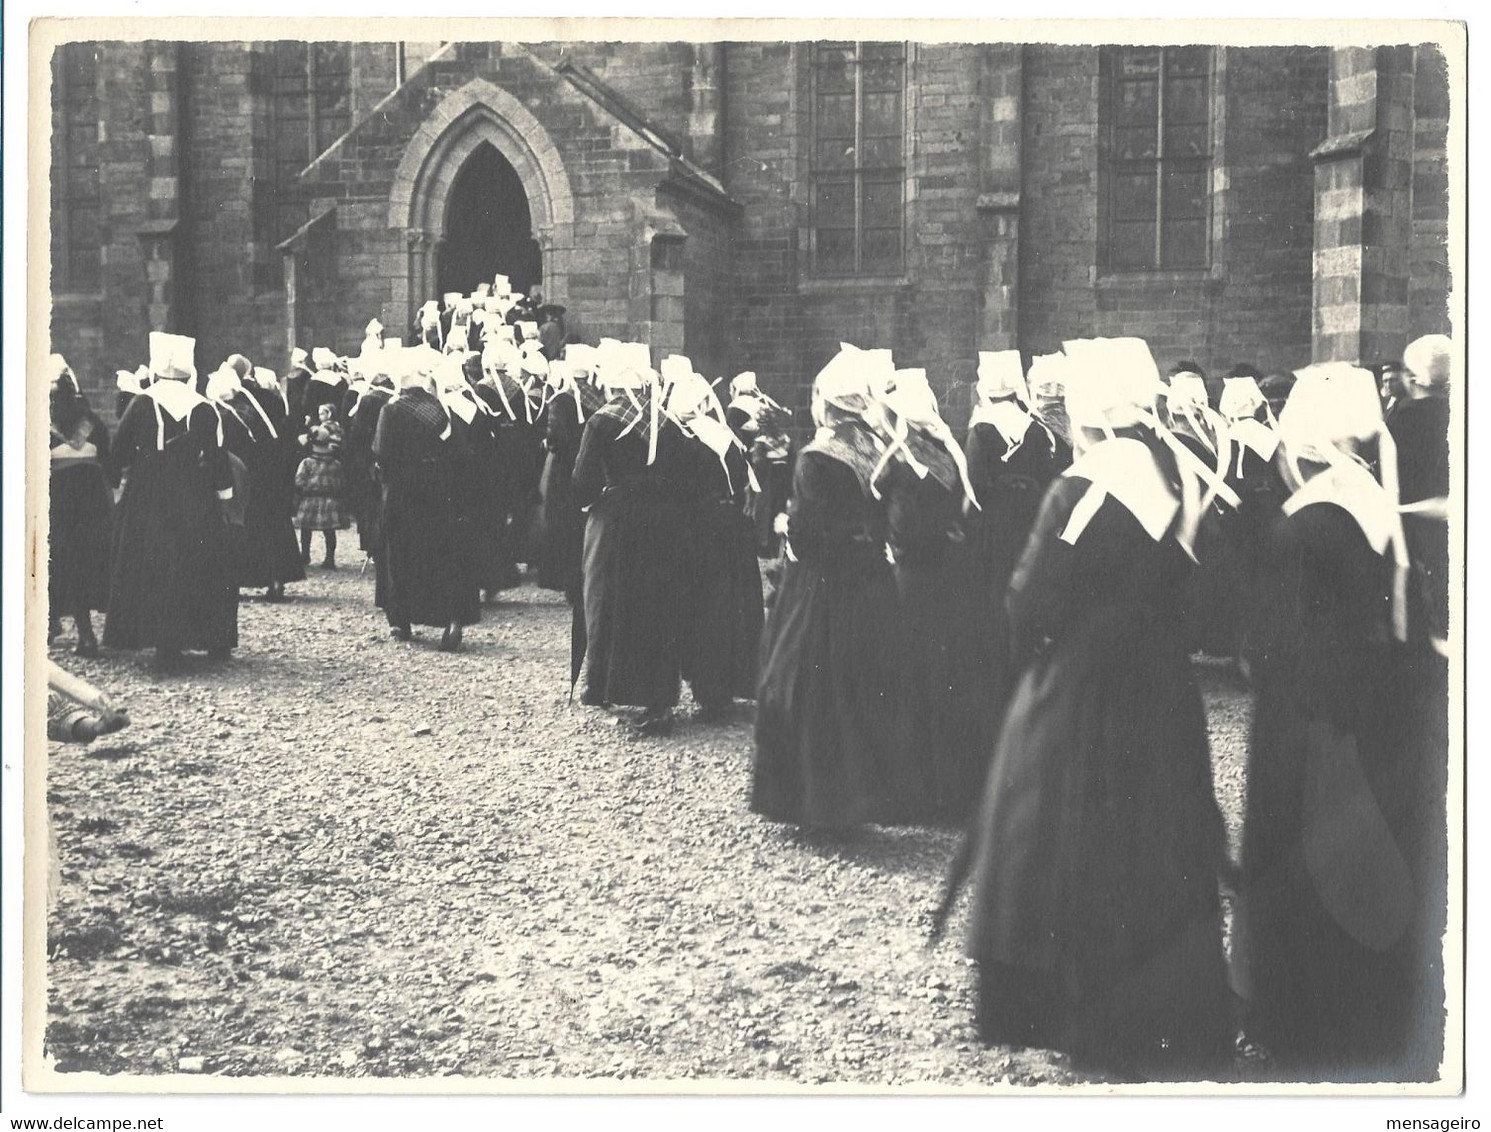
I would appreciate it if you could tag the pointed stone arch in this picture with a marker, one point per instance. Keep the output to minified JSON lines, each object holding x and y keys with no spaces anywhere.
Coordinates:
{"x":479,"y":112}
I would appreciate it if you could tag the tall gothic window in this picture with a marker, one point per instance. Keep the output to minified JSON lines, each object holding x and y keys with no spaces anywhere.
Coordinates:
{"x":1157,"y":157}
{"x":859,"y":158}
{"x":77,"y":228}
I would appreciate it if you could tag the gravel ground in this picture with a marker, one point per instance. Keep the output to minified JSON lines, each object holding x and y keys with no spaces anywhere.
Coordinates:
{"x":339,"y":855}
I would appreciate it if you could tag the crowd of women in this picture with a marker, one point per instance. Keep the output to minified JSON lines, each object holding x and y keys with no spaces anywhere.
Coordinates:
{"x":1009,"y":628}
{"x":995,"y":634}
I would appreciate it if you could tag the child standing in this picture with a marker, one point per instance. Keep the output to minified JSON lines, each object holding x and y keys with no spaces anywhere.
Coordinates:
{"x":322,"y":485}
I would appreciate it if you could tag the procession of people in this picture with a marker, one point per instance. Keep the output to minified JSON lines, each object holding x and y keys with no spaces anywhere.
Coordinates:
{"x":992,"y":633}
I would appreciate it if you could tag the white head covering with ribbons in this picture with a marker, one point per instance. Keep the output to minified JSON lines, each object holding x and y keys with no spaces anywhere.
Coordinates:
{"x":1241,"y":400}
{"x":914,"y":405}
{"x":1004,"y":399}
{"x":852,"y":382}
{"x":1113,"y":383}
{"x":174,"y":368}
{"x":1333,"y":408}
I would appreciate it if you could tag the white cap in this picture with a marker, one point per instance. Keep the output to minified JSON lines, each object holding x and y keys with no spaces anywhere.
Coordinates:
{"x":502,"y":285}
{"x":1186,"y":389}
{"x":849,"y":382}
{"x":298,"y":357}
{"x":534,"y":361}
{"x":624,"y":365}
{"x":688,"y":393}
{"x":1110,"y":382}
{"x":173,"y":357}
{"x":452,"y":298}
{"x":266,"y":378}
{"x":373,"y":329}
{"x":1048,"y":374}
{"x":1000,"y":373}
{"x":56,"y":367}
{"x":1241,"y":398}
{"x":582,"y":355}
{"x":529,"y":329}
{"x":449,"y":373}
{"x":913,"y":399}
{"x":676,"y":367}
{"x":1332,"y":406}
{"x":1428,"y":359}
{"x":743,"y":383}
{"x":323,"y":358}
{"x":223,"y":385}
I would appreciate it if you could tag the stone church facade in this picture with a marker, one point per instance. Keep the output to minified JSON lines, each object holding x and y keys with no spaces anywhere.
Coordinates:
{"x":751,"y":204}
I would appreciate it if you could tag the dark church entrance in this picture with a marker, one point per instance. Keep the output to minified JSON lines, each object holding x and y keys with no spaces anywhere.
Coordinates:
{"x":488,"y":229}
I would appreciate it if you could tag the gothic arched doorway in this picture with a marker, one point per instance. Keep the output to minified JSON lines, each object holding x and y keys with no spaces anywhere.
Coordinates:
{"x":488,"y":227}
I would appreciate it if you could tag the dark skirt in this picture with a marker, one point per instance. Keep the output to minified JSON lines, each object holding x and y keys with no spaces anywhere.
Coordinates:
{"x":724,"y":615}
{"x":563,"y":527}
{"x":486,"y":526}
{"x":954,"y":685}
{"x":631,"y":609}
{"x":80,"y":511}
{"x":1331,"y":998}
{"x":1096,"y":917}
{"x":826,"y":717}
{"x":270,"y":554}
{"x":173,"y":583}
{"x":424,"y":565}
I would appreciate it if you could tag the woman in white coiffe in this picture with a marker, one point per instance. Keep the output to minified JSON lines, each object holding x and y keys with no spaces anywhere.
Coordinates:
{"x":1095,"y":856}
{"x":1343,"y":839}
{"x":173,"y":586}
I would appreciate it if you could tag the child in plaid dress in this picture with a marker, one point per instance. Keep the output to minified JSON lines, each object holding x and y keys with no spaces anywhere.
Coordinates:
{"x":322,"y":485}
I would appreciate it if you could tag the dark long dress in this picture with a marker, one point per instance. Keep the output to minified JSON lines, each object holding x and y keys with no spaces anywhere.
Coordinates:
{"x":774,"y":474}
{"x":363,"y":489}
{"x":173,"y":584}
{"x":1335,"y":993}
{"x":1211,"y":603}
{"x":510,"y":436}
{"x":627,"y":625}
{"x":80,"y":508}
{"x":424,"y":571}
{"x":1245,"y":535}
{"x":482,"y":500}
{"x":1009,"y":494}
{"x":950,"y":671}
{"x":723,"y":614}
{"x":563,"y":523}
{"x":1096,"y":919}
{"x":827,"y":711}
{"x":270,"y":555}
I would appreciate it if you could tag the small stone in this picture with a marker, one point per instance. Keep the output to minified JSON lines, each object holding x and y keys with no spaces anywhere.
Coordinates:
{"x":348,"y":1058}
{"x":192,"y":1065}
{"x":423,"y":729}
{"x":287,"y":1054}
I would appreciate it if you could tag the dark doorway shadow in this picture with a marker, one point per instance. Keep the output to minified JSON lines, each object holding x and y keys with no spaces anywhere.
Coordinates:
{"x":488,"y":227}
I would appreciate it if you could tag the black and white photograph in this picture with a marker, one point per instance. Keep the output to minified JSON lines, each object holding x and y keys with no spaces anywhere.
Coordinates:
{"x":608,"y":557}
